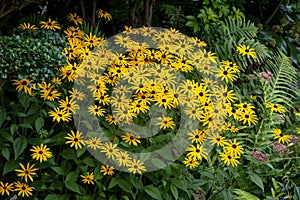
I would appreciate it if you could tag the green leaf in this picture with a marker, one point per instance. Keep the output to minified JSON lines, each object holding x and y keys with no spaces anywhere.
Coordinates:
{"x":52,"y":196}
{"x":13,"y":128}
{"x":243,"y":195}
{"x":58,"y":170}
{"x":174,"y":191}
{"x":7,"y":136}
{"x":153,"y":192}
{"x":19,"y":146}
{"x":71,"y":176}
{"x":10,"y":166}
{"x":257,"y":180}
{"x":89,"y":162}
{"x":71,"y":185}
{"x":39,"y":123}
{"x":68,"y":154}
{"x":81,"y":151}
{"x":25,"y":125}
{"x":5,"y":153}
{"x":2,"y":115}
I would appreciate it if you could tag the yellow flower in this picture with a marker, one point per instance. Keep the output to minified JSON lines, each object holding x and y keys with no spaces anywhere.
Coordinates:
{"x":234,"y":148}
{"x":191,"y":162}
{"x":218,"y":140}
{"x":246,"y":50}
{"x":197,"y":152}
{"x":69,"y":105}
{"x":94,"y":143}
{"x":41,"y":153}
{"x":107,"y":170}
{"x":165,"y":122}
{"x":26,"y":172}
{"x":277,"y":134}
{"x":104,"y":14}
{"x":58,"y":115}
{"x":275,"y":107}
{"x":50,"y":24}
{"x":110,"y":150}
{"x":6,"y":188}
{"x":136,"y":166}
{"x":75,"y":18}
{"x":27,"y":26}
{"x":75,"y":139}
{"x":89,"y":178}
{"x":123,"y":158}
{"x":23,"y":189}
{"x":131,"y":139}
{"x":92,"y":40}
{"x":229,"y":159}
{"x":23,"y":84}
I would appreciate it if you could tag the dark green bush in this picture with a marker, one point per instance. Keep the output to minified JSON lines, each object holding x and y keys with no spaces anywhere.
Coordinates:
{"x":31,"y":54}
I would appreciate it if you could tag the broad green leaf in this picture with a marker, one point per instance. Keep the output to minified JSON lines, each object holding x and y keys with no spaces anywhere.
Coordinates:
{"x":153,"y":192}
{"x":19,"y":146}
{"x":257,"y":180}
{"x":174,"y":191}
{"x":10,"y":166}
{"x":81,"y":151}
{"x":68,"y":154}
{"x":39,"y":123}
{"x":52,"y":196}
{"x":243,"y":195}
{"x":72,"y":176}
{"x":71,"y":185}
{"x":5,"y":153}
{"x":58,"y":170}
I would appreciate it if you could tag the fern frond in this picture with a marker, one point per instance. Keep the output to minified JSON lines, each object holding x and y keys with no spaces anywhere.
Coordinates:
{"x":280,"y":90}
{"x":239,"y":28}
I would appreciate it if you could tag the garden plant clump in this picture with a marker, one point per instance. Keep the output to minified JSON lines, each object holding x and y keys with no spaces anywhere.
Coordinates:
{"x":148,"y":113}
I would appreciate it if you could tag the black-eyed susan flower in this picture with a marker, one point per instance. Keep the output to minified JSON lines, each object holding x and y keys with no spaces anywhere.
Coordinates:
{"x":60,"y":115}
{"x":197,"y":152}
{"x":217,"y":139}
{"x":107,"y":170}
{"x":6,"y":188}
{"x":75,"y":18}
{"x":76,"y":95}
{"x":104,"y":14}
{"x":199,"y":42}
{"x":226,"y":74}
{"x":232,"y":66}
{"x":93,"y":143}
{"x":26,"y":172}
{"x":165,"y":122}
{"x":96,"y":110}
{"x":41,"y":153}
{"x":131,"y":139}
{"x":277,"y":134}
{"x":91,"y":40}
{"x":136,"y":166}
{"x":68,"y":105}
{"x":50,"y":95}
{"x":110,"y":150}
{"x":88,"y":179}
{"x":23,"y":84}
{"x":234,"y":147}
{"x":28,"y":26}
{"x":197,"y":136}
{"x":50,"y":24}
{"x":246,"y":51}
{"x":23,"y":189}
{"x":248,"y":118}
{"x":275,"y":107}
{"x":123,"y":158}
{"x":229,"y":158}
{"x":111,"y":120}
{"x":190,"y":162}
{"x":75,"y":139}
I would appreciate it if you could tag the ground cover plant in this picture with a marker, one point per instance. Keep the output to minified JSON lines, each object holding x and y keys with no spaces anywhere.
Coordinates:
{"x":86,"y":116}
